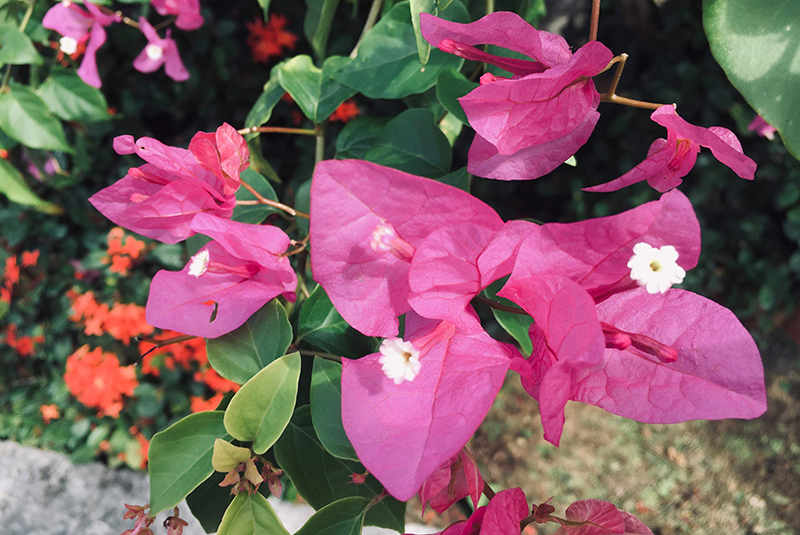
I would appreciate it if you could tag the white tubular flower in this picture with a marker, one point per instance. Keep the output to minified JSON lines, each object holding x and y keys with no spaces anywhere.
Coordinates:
{"x":399,"y":360}
{"x":655,"y":269}
{"x":199,"y":263}
{"x":154,"y":52}
{"x":68,"y":45}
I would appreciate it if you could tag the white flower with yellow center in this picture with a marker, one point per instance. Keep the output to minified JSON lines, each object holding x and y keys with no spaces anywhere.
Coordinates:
{"x":399,"y":360}
{"x":199,"y":263}
{"x":154,"y":52}
{"x":68,"y":45}
{"x":655,"y":269}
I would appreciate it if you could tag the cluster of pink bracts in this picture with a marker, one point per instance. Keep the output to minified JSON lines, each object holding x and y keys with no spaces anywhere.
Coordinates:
{"x":79,"y":26}
{"x":607,"y":330}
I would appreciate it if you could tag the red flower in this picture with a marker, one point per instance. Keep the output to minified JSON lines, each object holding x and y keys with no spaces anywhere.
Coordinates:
{"x":346,"y":112}
{"x":267,"y":41}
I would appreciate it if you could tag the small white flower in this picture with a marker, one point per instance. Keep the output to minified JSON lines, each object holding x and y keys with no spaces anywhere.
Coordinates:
{"x":399,"y":360}
{"x":382,"y":238}
{"x":656,"y":269}
{"x":154,"y":52}
{"x":68,"y":45}
{"x":66,"y":3}
{"x":199,"y":263}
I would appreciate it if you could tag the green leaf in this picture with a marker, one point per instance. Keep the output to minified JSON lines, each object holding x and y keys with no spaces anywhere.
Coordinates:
{"x":417,"y":7}
{"x":458,"y":179}
{"x":450,"y":86}
{"x":451,"y":128}
{"x":258,"y":163}
{"x":389,"y":53}
{"x":516,"y":325}
{"x":322,"y":479}
{"x":13,"y":186}
{"x":312,"y":88}
{"x":321,"y":325}
{"x":251,"y":515}
{"x":180,"y":457}
{"x":756,"y":43}
{"x":209,"y":501}
{"x":342,"y":517}
{"x":16,"y":48}
{"x":263,"y":338}
{"x":226,"y":456}
{"x":261,"y":409}
{"x":255,"y":213}
{"x":326,"y":408}
{"x":317,"y":24}
{"x":265,"y":8}
{"x":412,"y":142}
{"x":25,"y":117}
{"x":72,"y":99}
{"x":262,"y":109}
{"x":358,"y":137}
{"x":302,"y":202}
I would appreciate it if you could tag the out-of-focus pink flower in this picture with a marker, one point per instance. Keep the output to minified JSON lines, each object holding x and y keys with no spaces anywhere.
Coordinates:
{"x":159,"y":199}
{"x":160,"y":52}
{"x":529,"y":124}
{"x":762,"y":127}
{"x":77,"y":27}
{"x":671,"y":159}
{"x":225,"y":282}
{"x":457,"y":478}
{"x":187,"y":11}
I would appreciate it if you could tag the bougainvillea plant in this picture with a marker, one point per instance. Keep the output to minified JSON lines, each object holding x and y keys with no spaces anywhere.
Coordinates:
{"x":355,"y":321}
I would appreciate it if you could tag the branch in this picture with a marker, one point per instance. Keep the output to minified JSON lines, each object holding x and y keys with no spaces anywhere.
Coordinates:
{"x":275,"y":204}
{"x":276,"y":130}
{"x":595,"y":21}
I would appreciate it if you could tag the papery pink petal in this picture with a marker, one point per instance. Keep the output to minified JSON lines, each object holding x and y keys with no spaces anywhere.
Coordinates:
{"x":173,"y":65}
{"x":515,"y":114}
{"x":471,"y":526}
{"x":566,"y":315}
{"x":436,"y":483}
{"x":124,"y":144}
{"x":100,"y":16}
{"x":457,"y":479}
{"x":149,"y":32}
{"x":403,"y":433}
{"x":262,"y":244}
{"x":762,"y":127}
{"x":180,"y":302}
{"x":718,"y":372}
{"x":530,"y":162}
{"x":503,"y":29}
{"x":144,"y":63}
{"x":497,"y":260}
{"x":602,"y":518}
{"x":722,"y":142}
{"x":69,"y":21}
{"x":595,"y":252}
{"x":224,"y":153}
{"x":188,"y":12}
{"x":634,"y":526}
{"x":349,"y":199}
{"x":504,"y":513}
{"x":88,"y":69}
{"x":443,"y":277}
{"x":156,"y":211}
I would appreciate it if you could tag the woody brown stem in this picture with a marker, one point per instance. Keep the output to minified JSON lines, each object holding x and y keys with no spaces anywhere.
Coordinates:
{"x":275,"y":204}
{"x":276,"y":130}
{"x":593,"y":24}
{"x":487,"y":491}
{"x":616,"y":99}
{"x":499,"y":306}
{"x":157,"y":344}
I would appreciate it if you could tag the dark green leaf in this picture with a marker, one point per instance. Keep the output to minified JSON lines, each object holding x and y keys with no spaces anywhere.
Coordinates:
{"x":342,"y":517}
{"x":312,"y":88}
{"x":321,"y":478}
{"x":458,"y":179}
{"x":302,"y":202}
{"x":72,"y":99}
{"x":262,"y":109}
{"x":358,"y":137}
{"x":451,"y":86}
{"x":265,"y":8}
{"x":756,"y":43}
{"x":25,"y":117}
{"x":255,"y":213}
{"x":260,"y":410}
{"x":412,"y":142}
{"x":251,"y":515}
{"x":317,"y":24}
{"x":13,"y":186}
{"x":321,"y":325}
{"x":326,"y":408}
{"x":263,"y":338}
{"x":16,"y":48}
{"x":516,"y":325}
{"x":209,"y":501}
{"x":389,"y":52}
{"x":180,"y":457}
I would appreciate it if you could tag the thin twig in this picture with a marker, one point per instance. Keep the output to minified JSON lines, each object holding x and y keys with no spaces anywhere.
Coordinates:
{"x":161,"y":343}
{"x":165,"y":23}
{"x":326,"y":356}
{"x":275,"y":204}
{"x":276,"y":130}
{"x":618,"y":73}
{"x":616,"y":99}
{"x":487,"y":490}
{"x":499,"y":306}
{"x":611,"y":96}
{"x":595,"y":21}
{"x":372,"y":18}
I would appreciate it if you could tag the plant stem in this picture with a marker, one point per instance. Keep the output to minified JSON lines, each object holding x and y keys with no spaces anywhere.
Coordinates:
{"x":326,"y":356}
{"x":595,"y":20}
{"x":499,"y":306}
{"x":319,"y":152}
{"x":618,"y":73}
{"x":616,"y":99}
{"x":276,"y":130}
{"x":489,"y":7}
{"x":165,"y":23}
{"x":487,"y":490}
{"x":161,"y":343}
{"x":372,"y":18}
{"x":24,"y":23}
{"x":275,"y":204}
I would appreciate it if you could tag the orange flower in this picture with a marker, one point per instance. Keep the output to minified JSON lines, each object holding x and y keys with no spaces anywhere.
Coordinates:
{"x":346,"y":112}
{"x":132,"y":247}
{"x":11,"y":273}
{"x":267,"y":41}
{"x":120,"y":264}
{"x":97,"y":380}
{"x":215,"y":381}
{"x":49,"y":412}
{"x":24,"y":345}
{"x":121,"y":256}
{"x":5,"y":296}
{"x":122,"y":322}
{"x":30,"y":258}
{"x":199,"y":404}
{"x":144,"y":447}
